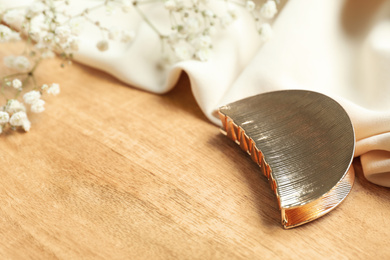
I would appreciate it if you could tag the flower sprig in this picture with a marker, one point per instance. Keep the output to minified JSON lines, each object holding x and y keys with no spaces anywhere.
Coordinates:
{"x":47,"y":28}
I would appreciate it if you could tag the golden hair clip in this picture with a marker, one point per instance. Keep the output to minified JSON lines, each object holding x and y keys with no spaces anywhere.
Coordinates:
{"x":303,"y":142}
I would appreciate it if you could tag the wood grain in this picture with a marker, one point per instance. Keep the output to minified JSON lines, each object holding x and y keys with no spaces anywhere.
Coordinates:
{"x":111,"y":172}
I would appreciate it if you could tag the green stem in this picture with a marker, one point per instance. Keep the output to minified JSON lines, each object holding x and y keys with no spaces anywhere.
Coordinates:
{"x":85,"y":11}
{"x":14,"y":75}
{"x":23,"y":83}
{"x":34,"y":82}
{"x":31,"y":72}
{"x":148,"y":21}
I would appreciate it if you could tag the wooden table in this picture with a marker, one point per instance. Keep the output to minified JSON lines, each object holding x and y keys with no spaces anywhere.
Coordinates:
{"x":111,"y":172}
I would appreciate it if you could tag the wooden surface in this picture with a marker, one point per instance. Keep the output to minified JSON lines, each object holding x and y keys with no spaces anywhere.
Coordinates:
{"x":111,"y":172}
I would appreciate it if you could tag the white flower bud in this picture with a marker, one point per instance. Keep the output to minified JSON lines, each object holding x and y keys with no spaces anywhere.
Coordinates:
{"x":73,"y":43}
{"x":14,"y":106}
{"x":76,"y":24}
{"x":204,"y":41}
{"x":265,"y":32}
{"x":4,"y":117}
{"x":191,"y":25}
{"x":203,"y":54}
{"x":113,"y":33}
{"x":5,"y":32}
{"x":102,"y":45}
{"x":268,"y":10}
{"x":208,"y":13}
{"x":14,"y":36}
{"x":14,"y":18}
{"x":183,"y":52}
{"x":18,"y":118}
{"x":17,"y":84}
{"x":38,"y":106}
{"x":126,"y":6}
{"x":226,"y":20}
{"x":35,"y":33}
{"x":35,"y":9}
{"x":63,"y":33}
{"x":48,"y":54}
{"x":54,"y":89}
{"x":250,"y":6}
{"x":19,"y":62}
{"x":170,"y":5}
{"x":31,"y":96}
{"x":127,"y":36}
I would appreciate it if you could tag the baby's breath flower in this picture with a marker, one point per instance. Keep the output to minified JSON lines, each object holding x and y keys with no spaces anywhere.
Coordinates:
{"x":265,"y":32}
{"x":250,"y":6}
{"x":208,"y":13}
{"x":191,"y":25}
{"x":73,"y":43}
{"x":50,"y":27}
{"x":183,"y":52}
{"x":38,"y":106}
{"x":127,"y":36}
{"x":110,"y":8}
{"x":14,"y":18}
{"x":102,"y":45}
{"x":14,"y":106}
{"x":47,"y":40}
{"x":35,"y":9}
{"x":113,"y":33}
{"x":4,"y":117}
{"x":21,"y":63}
{"x":5,"y":32}
{"x":14,"y":36}
{"x":203,"y":54}
{"x":126,"y":6}
{"x":63,"y":33}
{"x":18,"y":118}
{"x":75,"y":25}
{"x":204,"y":41}
{"x":226,"y":20}
{"x":31,"y":97}
{"x":212,"y":30}
{"x":35,"y":34}
{"x":54,"y":89}
{"x":17,"y":62}
{"x":48,"y":54}
{"x":233,"y":13}
{"x":268,"y":10}
{"x":17,"y":84}
{"x":170,"y":5}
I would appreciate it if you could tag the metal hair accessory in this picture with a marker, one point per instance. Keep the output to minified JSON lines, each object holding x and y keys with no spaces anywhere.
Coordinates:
{"x":303,"y":142}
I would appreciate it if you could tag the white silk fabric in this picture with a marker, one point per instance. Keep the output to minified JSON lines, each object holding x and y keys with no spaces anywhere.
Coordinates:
{"x":339,"y":48}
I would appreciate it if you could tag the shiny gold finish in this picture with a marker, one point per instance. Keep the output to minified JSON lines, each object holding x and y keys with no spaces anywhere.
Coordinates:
{"x":303,"y":142}
{"x":315,"y":209}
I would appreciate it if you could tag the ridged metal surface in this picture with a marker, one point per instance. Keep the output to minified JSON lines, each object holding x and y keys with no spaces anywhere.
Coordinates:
{"x":303,"y":141}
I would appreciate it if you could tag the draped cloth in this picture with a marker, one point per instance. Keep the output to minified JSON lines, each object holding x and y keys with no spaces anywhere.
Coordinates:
{"x":339,"y":48}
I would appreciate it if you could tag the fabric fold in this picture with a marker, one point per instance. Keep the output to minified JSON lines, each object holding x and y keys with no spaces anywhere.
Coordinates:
{"x":313,"y":51}
{"x":312,"y":48}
